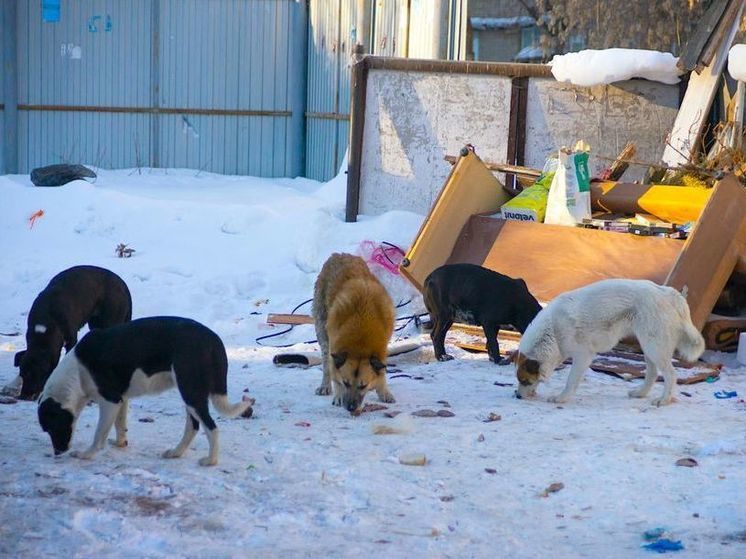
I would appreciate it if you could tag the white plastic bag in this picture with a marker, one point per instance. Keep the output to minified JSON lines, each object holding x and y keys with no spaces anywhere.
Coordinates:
{"x":569,"y":200}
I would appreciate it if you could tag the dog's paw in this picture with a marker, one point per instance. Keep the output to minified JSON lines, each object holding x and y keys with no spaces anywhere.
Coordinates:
{"x":637,"y":393}
{"x":323,"y":390}
{"x":658,"y":402}
{"x":208,"y":461}
{"x":387,"y":397}
{"x":119,"y":443}
{"x":171,"y":453}
{"x":504,"y":361}
{"x":445,"y":357}
{"x":337,"y":401}
{"x":83,"y":454}
{"x":558,"y":399}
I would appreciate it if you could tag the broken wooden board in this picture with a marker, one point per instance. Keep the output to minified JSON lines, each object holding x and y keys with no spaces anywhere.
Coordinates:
{"x":712,"y":251}
{"x":693,"y":48}
{"x":479,"y":331}
{"x":685,"y":373}
{"x":721,"y":332}
{"x":627,"y":366}
{"x":470,"y":188}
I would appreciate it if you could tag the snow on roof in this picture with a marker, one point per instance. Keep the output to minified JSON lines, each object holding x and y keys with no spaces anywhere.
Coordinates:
{"x":597,"y":67}
{"x":482,"y":23}
{"x":737,"y":62}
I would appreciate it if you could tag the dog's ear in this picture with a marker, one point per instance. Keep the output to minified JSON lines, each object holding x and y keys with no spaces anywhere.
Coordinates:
{"x":339,"y":359}
{"x":378,"y":367}
{"x":18,"y":359}
{"x":532,"y":366}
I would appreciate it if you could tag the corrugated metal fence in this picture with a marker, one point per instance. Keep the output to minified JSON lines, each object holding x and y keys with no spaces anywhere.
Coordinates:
{"x":255,"y":87}
{"x":408,"y":28}
{"x":217,"y":85}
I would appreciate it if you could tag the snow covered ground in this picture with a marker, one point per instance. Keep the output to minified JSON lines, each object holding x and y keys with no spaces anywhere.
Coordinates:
{"x":303,"y":478}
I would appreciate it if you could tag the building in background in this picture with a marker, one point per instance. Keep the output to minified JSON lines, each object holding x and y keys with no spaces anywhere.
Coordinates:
{"x":504,"y":31}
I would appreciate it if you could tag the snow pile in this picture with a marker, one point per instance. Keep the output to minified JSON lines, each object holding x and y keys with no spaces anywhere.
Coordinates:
{"x":737,"y":62}
{"x":599,"y":67}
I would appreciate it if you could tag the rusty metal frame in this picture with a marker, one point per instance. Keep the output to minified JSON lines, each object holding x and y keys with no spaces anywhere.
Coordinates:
{"x":358,"y":95}
{"x":152,"y":110}
{"x":327,"y":116}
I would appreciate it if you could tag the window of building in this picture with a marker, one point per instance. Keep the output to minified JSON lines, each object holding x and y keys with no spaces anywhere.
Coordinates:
{"x":575,"y":43}
{"x":530,"y":37}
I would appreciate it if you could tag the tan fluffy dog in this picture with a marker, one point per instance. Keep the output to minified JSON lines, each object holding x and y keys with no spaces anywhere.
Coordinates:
{"x":354,"y":319}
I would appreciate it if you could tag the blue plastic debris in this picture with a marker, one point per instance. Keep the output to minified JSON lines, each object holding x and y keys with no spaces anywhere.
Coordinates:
{"x":710,"y":380}
{"x":663,"y":545}
{"x":725,"y":394}
{"x":654,"y":533}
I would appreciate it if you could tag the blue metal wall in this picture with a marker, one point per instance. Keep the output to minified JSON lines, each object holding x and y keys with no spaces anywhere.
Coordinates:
{"x":97,"y":56}
{"x":4,"y":68}
{"x":331,"y":37}
{"x":246,"y":58}
{"x":216,"y":85}
{"x":3,"y":137}
{"x":257,"y":87}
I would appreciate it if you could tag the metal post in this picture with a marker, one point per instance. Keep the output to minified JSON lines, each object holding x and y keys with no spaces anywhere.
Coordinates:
{"x":298,"y":88}
{"x":155,"y":83}
{"x":10,"y":93}
{"x":362,"y":24}
{"x":439,"y":49}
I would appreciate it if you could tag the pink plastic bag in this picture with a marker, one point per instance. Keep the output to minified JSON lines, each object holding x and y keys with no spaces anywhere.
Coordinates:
{"x":386,"y":255}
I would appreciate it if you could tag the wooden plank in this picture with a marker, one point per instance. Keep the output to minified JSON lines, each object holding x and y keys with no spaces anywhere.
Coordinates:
{"x":696,"y":43}
{"x":619,"y":366}
{"x":294,"y":319}
{"x":620,"y":164}
{"x":470,"y":189}
{"x":502,"y":167}
{"x":516,"y":129}
{"x":692,"y":117}
{"x":358,"y":98}
{"x":479,"y":331}
{"x":627,"y":371}
{"x":716,"y":38}
{"x":714,"y":247}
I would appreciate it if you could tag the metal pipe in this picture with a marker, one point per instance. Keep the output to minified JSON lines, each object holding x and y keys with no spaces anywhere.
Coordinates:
{"x":152,"y":110}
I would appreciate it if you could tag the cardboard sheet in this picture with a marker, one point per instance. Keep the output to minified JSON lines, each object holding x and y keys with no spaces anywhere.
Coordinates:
{"x":553,"y":259}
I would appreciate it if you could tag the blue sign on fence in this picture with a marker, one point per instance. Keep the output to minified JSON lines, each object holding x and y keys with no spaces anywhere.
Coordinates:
{"x":50,"y":11}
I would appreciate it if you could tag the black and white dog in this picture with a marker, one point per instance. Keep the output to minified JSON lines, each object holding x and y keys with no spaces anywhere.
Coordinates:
{"x":475,"y":295}
{"x":74,"y":297}
{"x":145,"y":356}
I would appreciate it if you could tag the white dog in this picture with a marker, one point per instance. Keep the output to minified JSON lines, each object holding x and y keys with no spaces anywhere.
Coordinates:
{"x":592,"y":319}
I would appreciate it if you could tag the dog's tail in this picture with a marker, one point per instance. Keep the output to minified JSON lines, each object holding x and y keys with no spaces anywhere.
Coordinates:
{"x":226,"y":409}
{"x":691,"y":343}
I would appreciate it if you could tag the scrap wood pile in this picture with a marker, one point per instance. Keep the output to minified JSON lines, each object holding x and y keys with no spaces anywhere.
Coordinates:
{"x":624,"y":362}
{"x":695,"y":157}
{"x":682,"y":225}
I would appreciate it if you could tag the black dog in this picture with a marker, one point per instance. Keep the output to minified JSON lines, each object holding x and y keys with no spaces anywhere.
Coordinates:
{"x":74,"y":297}
{"x":474,"y":295}
{"x":145,"y":356}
